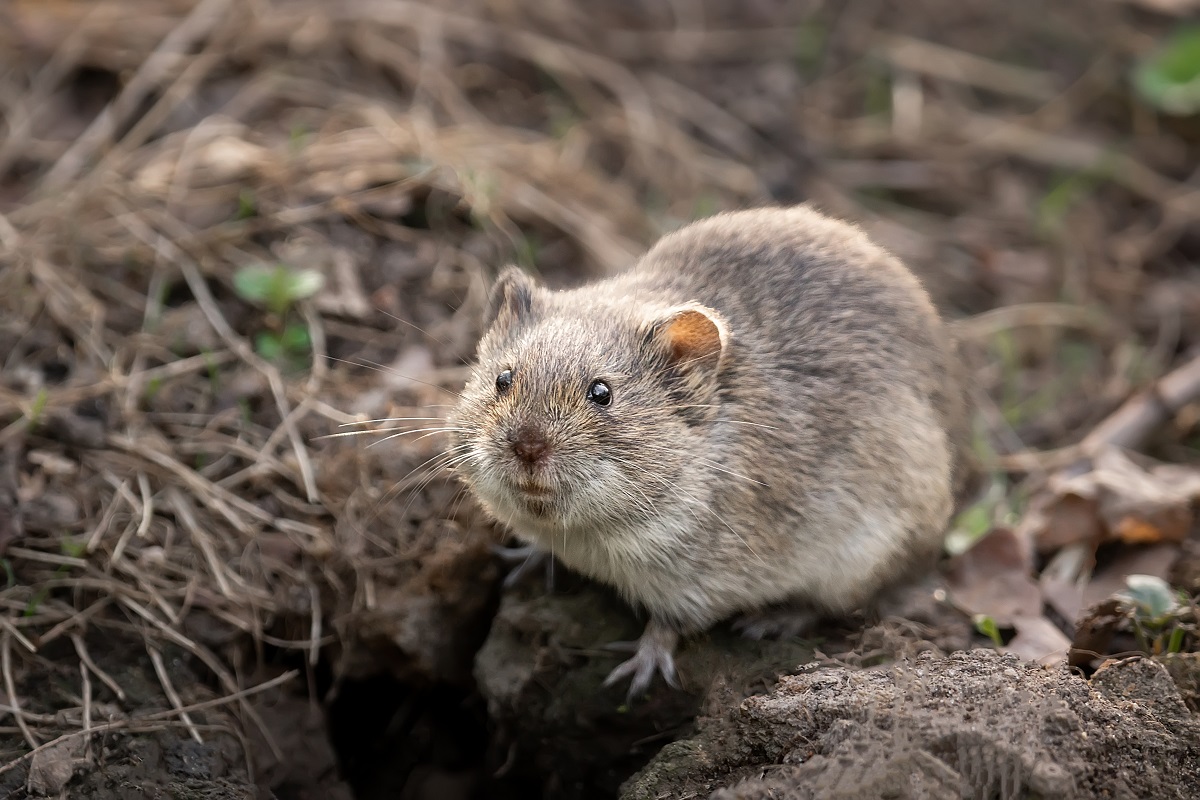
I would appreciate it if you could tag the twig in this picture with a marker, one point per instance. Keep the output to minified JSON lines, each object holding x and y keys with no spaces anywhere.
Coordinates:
{"x":210,"y":661}
{"x":217,"y":498}
{"x":11,"y":687}
{"x":215,"y":318}
{"x":936,"y":60}
{"x":86,"y":690}
{"x":159,"y":716}
{"x":1019,"y":141}
{"x":86,"y":659}
{"x":160,"y":669}
{"x":1131,"y":424}
{"x":101,"y":527}
{"x":16,"y":634}
{"x":1058,"y":315}
{"x":183,"y":511}
{"x":315,"y":624}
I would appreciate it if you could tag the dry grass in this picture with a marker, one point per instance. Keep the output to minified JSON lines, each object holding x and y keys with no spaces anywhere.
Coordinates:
{"x":159,"y":468}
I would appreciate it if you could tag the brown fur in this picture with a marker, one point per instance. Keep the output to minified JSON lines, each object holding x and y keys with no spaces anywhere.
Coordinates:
{"x":786,"y":420}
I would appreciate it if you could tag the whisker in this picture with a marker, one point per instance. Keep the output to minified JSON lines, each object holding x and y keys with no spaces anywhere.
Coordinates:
{"x":706,"y":462}
{"x":434,"y":471}
{"x":412,"y":325}
{"x":386,"y":370}
{"x":389,"y":419}
{"x":720,"y":519}
{"x":375,"y":430}
{"x":418,"y":430}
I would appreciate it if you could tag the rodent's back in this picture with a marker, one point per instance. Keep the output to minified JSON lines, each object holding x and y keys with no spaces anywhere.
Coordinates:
{"x":840,"y":389}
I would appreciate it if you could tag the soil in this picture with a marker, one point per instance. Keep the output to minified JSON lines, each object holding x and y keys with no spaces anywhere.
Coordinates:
{"x":137,"y":751}
{"x":975,"y":723}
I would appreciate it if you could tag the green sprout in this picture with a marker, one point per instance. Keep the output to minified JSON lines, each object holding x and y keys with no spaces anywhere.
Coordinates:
{"x":988,"y":627}
{"x":276,"y":288}
{"x":247,"y":205}
{"x":1157,"y":612}
{"x":39,"y":407}
{"x":1169,"y":78}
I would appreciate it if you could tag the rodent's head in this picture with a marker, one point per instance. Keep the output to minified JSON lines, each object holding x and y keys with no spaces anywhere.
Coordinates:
{"x":584,"y":407}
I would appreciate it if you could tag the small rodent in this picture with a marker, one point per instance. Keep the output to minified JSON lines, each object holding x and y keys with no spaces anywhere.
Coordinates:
{"x":764,"y":410}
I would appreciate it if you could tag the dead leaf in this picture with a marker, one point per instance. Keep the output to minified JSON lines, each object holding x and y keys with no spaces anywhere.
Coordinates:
{"x":1054,"y":521}
{"x":994,"y":578}
{"x":1095,"y":632}
{"x":51,"y":769}
{"x":1038,"y":640}
{"x":1064,"y":579}
{"x":1156,"y":560}
{"x":1145,"y":505}
{"x":1116,"y":499}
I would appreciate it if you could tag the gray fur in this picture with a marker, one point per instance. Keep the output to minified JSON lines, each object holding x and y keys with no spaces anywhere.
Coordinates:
{"x":813,"y":459}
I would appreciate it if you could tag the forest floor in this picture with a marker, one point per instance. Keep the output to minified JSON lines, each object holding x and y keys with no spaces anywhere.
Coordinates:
{"x":229,"y":231}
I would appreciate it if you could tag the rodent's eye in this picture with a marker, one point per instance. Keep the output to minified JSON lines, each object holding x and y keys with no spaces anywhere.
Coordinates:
{"x":599,"y":393}
{"x":504,"y":381}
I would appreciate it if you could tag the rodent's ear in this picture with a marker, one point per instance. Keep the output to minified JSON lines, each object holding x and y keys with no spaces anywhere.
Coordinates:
{"x":511,"y":298}
{"x":692,"y":334}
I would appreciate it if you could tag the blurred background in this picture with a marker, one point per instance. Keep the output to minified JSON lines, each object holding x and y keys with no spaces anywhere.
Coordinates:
{"x":228,"y":228}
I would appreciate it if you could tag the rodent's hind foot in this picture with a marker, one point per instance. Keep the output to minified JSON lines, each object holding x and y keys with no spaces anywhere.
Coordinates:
{"x":528,"y":558}
{"x":777,"y":623}
{"x":653,"y":652}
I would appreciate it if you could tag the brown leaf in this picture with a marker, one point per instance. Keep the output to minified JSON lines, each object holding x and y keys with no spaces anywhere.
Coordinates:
{"x":1063,"y":580}
{"x":1054,"y":521}
{"x":1039,"y":640}
{"x":1113,"y":499}
{"x":1155,"y":560}
{"x":51,"y":769}
{"x":1095,"y":631}
{"x":1141,"y":505}
{"x":994,"y":578}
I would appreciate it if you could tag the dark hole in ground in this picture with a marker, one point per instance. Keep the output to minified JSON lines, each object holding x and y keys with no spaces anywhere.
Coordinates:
{"x":402,"y":741}
{"x":438,"y":743}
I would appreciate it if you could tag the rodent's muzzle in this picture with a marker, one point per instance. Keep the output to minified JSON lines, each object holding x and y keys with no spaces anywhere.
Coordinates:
{"x":529,"y":444}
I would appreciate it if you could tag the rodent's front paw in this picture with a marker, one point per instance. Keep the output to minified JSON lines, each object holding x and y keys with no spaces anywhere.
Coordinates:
{"x":655,"y":652}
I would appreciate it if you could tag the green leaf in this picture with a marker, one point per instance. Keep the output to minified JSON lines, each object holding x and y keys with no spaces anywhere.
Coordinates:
{"x":268,"y":346}
{"x":295,"y":339}
{"x":1175,"y":644}
{"x":247,"y":205}
{"x":988,"y":627}
{"x":39,"y":406}
{"x":304,"y":283}
{"x":276,"y":288}
{"x":1169,"y":79}
{"x":72,"y":548}
{"x":255,"y":284}
{"x":1151,"y":597}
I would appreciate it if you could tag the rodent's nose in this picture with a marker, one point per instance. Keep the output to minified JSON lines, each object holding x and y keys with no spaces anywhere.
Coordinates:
{"x":529,"y":444}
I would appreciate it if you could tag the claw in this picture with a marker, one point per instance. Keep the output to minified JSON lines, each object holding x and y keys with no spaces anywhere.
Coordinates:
{"x":527,"y":558}
{"x":653,"y":652}
{"x":785,"y":623}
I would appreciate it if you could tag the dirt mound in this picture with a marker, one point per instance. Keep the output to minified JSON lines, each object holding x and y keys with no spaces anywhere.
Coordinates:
{"x":973,"y":724}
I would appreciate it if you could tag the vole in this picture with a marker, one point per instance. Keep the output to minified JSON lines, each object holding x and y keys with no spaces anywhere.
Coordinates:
{"x":763,"y":412}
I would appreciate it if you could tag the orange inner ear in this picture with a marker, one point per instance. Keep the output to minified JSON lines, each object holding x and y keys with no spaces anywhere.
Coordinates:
{"x":693,"y":335}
